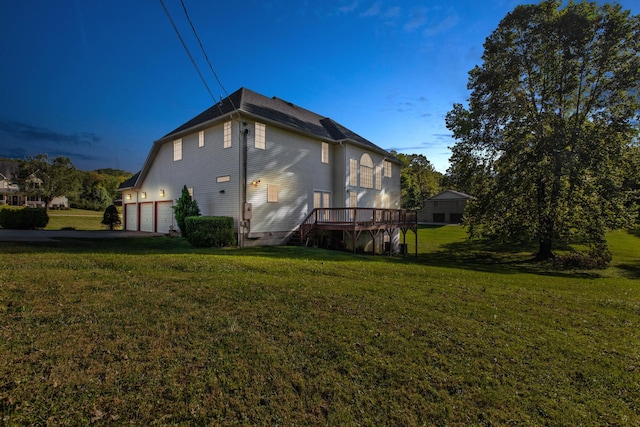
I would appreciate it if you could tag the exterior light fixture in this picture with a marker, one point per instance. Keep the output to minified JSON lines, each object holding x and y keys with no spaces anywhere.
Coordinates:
{"x":128,"y":196}
{"x":255,"y":182}
{"x":161,"y":193}
{"x":144,"y":195}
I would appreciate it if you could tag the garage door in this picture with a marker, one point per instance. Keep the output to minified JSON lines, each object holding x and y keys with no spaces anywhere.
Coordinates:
{"x":164,"y":216}
{"x":131,"y":217}
{"x":146,"y":217}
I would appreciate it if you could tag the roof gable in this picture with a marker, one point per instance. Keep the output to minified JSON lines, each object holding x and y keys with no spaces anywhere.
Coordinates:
{"x":450,"y":195}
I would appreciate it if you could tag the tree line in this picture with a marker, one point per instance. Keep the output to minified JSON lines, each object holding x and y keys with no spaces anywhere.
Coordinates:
{"x":45,"y":178}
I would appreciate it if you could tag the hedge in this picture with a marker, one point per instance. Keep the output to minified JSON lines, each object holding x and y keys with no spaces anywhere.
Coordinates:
{"x":23,"y":218}
{"x":210,"y":231}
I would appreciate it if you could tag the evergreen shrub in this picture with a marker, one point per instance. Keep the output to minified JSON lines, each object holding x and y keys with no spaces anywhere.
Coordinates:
{"x":210,"y":231}
{"x":23,"y":218}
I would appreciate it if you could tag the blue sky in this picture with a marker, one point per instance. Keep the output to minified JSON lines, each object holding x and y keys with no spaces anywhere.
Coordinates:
{"x":99,"y":81}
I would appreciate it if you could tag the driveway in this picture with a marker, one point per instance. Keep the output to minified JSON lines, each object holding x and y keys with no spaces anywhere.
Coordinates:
{"x":53,"y":235}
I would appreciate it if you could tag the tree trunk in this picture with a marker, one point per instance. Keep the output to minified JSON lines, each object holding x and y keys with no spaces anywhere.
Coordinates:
{"x":544,"y":251}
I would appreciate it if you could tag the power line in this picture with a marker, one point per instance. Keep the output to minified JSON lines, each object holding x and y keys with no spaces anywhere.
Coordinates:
{"x":205,"y":53}
{"x":187,"y":49}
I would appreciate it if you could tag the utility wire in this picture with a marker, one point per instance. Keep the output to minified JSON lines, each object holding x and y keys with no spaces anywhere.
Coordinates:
{"x":187,"y":49}
{"x":205,"y":53}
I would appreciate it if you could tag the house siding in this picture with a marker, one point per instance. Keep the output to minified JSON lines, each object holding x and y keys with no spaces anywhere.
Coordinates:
{"x":293,"y":162}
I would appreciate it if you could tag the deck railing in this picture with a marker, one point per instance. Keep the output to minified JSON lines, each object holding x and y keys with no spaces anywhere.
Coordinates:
{"x":354,"y":218}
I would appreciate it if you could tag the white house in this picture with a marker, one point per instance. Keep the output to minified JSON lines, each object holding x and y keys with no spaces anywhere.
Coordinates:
{"x":265,"y":162}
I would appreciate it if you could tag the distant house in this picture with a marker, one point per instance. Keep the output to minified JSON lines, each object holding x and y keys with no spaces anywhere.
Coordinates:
{"x":446,"y":207}
{"x":11,"y":195}
{"x":272,"y":166}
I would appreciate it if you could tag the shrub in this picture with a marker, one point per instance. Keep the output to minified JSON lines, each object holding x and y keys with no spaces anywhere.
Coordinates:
{"x":111,"y":217}
{"x":23,"y":218}
{"x":210,"y":231}
{"x":185,"y":207}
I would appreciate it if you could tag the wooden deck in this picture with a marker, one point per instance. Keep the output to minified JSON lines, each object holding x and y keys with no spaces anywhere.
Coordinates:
{"x":354,"y":221}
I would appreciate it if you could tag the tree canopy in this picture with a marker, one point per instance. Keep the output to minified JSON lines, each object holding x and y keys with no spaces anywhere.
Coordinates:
{"x":39,"y":176}
{"x":552,"y":115}
{"x":419,"y":180}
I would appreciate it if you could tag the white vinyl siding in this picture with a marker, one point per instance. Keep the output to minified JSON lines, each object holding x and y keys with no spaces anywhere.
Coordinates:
{"x":260,"y":136}
{"x":201,"y":139}
{"x":353,"y":172}
{"x":227,"y":135}
{"x":177,"y":150}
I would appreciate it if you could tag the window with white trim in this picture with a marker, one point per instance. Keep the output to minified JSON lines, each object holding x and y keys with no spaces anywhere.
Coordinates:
{"x":201,"y":138}
{"x":177,"y":150}
{"x":366,"y":171}
{"x":190,"y":190}
{"x":378,"y":177}
{"x":325,"y":152}
{"x":260,"y":136}
{"x":226,"y":143}
{"x":387,"y":168}
{"x":272,"y":193}
{"x":353,"y":172}
{"x":224,"y":178}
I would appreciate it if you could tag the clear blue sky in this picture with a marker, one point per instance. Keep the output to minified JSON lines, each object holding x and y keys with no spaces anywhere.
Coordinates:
{"x":99,"y":81}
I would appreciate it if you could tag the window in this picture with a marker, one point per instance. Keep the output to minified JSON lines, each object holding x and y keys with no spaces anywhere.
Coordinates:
{"x":260,"y":137}
{"x":177,"y":150}
{"x":378,"y":177}
{"x":387,"y":168}
{"x":366,"y":171}
{"x":353,"y":172}
{"x":353,"y":199}
{"x":325,"y":152}
{"x":201,"y":138}
{"x":272,"y":193}
{"x":227,"y":135}
{"x":190,"y":190}
{"x":225,"y":178}
{"x":378,"y":202}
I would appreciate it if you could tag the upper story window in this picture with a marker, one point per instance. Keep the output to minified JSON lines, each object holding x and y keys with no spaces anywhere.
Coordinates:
{"x":353,"y":172}
{"x":177,"y":150}
{"x":378,"y":177}
{"x":260,"y":137}
{"x":366,"y":171}
{"x":223,"y":178}
{"x":201,"y":138}
{"x":387,"y":168}
{"x":325,"y":152}
{"x":227,"y":135}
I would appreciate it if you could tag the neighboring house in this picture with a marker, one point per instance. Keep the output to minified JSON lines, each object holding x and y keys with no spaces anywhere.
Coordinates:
{"x":11,"y":195}
{"x":268,"y":164}
{"x":446,"y":207}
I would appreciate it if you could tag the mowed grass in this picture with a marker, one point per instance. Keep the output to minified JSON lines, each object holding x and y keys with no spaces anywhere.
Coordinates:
{"x":154,"y":332}
{"x":77,"y":219}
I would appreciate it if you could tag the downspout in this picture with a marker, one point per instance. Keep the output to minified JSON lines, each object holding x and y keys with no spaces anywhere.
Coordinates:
{"x":242,"y":222}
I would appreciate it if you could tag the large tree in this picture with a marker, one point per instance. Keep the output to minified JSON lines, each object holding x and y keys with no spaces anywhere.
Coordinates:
{"x":553,"y":110}
{"x":419,"y":179}
{"x":38,"y":176}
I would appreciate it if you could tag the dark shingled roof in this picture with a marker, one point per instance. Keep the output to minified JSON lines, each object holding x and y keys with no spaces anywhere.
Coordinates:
{"x":130,"y":183}
{"x":278,"y":111}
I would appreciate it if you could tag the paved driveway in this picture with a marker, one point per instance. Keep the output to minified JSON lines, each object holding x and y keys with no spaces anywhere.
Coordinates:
{"x":53,"y":235}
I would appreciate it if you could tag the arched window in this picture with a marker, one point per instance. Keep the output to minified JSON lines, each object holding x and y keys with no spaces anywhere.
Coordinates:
{"x":366,"y":171}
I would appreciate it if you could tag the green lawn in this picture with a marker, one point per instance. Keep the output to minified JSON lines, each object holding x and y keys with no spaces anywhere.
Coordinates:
{"x":151,"y":331}
{"x":77,"y":219}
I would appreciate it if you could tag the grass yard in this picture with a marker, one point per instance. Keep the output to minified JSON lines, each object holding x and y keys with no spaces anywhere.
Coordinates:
{"x":150,"y":331}
{"x":77,"y":219}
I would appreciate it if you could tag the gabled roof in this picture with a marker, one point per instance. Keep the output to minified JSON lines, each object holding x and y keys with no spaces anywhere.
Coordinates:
{"x":8,"y":169}
{"x":450,"y":195}
{"x":276,"y":111}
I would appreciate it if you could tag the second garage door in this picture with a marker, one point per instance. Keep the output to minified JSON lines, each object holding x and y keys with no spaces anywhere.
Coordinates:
{"x":146,"y":217}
